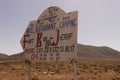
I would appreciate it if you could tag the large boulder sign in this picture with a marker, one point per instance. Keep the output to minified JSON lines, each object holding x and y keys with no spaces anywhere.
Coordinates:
{"x":52,"y":37}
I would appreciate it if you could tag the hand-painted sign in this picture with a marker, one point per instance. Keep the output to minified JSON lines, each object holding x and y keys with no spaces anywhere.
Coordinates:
{"x":52,"y":37}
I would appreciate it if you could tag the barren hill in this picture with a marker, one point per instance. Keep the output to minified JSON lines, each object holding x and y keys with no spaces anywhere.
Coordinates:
{"x":19,"y":56}
{"x":92,"y":52}
{"x":84,"y":52}
{"x":3,"y":56}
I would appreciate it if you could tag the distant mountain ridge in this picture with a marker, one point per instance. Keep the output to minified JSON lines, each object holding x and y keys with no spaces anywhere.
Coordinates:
{"x":93,"y":52}
{"x":84,"y":52}
{"x":3,"y":56}
{"x":19,"y":56}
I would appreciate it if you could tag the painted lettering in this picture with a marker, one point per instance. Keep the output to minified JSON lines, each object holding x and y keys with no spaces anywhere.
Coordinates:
{"x":34,"y":57}
{"x":39,"y":36}
{"x":68,"y":23}
{"x":45,"y":27}
{"x":30,"y":30}
{"x":25,"y":40}
{"x":39,"y":50}
{"x":30,"y":41}
{"x":30,"y":50}
{"x":55,"y":43}
{"x":66,"y":36}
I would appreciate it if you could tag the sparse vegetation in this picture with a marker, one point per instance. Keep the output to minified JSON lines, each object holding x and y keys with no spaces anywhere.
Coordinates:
{"x":86,"y":70}
{"x":35,"y":78}
{"x":117,"y":78}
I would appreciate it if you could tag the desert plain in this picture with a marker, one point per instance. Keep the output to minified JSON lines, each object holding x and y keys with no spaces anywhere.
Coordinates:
{"x":86,"y":70}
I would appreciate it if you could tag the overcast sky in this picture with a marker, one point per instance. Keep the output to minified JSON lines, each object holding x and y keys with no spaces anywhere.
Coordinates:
{"x":99,"y":21}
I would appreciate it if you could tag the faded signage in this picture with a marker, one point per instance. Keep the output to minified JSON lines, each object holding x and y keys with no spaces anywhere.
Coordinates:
{"x":52,"y":37}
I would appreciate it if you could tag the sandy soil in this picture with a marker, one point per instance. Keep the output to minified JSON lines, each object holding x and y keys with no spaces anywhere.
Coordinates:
{"x":86,"y":70}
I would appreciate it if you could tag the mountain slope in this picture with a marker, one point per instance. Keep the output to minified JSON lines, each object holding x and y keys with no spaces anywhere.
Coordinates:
{"x":84,"y":52}
{"x":3,"y":56}
{"x":92,"y":52}
{"x":19,"y":56}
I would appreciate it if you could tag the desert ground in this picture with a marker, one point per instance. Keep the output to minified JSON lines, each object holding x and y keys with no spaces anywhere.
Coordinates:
{"x":86,"y":70}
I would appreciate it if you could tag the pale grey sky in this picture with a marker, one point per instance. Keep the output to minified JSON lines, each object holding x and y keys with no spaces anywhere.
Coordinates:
{"x":99,"y":21}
